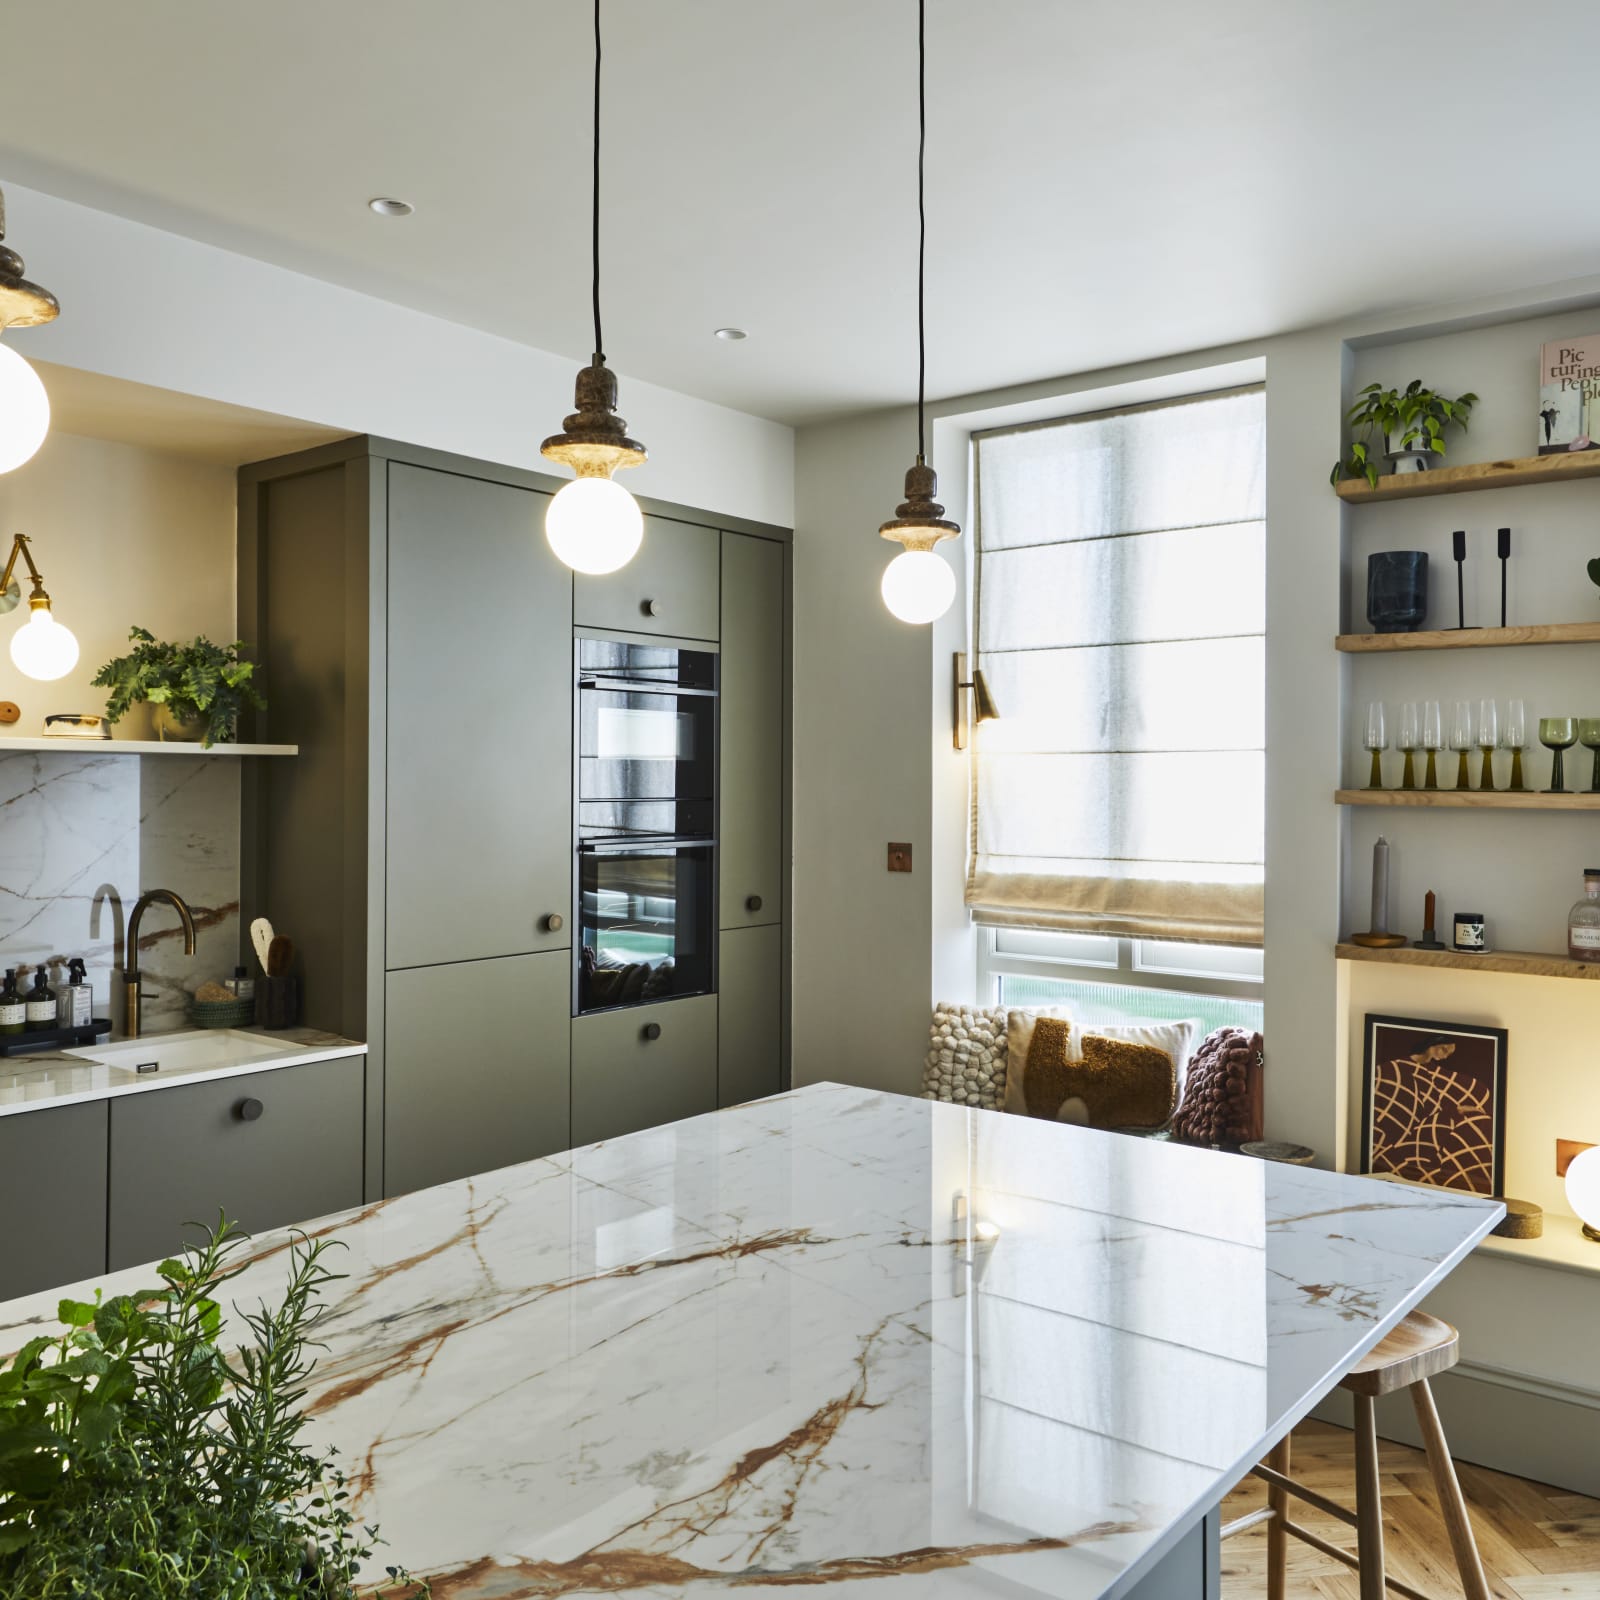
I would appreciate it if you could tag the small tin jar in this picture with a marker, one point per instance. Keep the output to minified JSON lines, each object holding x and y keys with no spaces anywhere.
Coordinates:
{"x":1469,"y":933}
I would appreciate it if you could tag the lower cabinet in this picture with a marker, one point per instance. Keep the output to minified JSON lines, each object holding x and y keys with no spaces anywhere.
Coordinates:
{"x":643,"y":1066}
{"x":53,"y":1195}
{"x":749,"y":1014}
{"x":263,"y":1148}
{"x":475,"y":1067}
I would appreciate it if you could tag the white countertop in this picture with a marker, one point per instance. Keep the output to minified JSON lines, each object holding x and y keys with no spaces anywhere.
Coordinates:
{"x":757,"y":1349}
{"x":64,"y":1077}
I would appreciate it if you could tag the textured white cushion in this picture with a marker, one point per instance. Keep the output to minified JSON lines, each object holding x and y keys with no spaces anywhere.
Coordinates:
{"x":1178,"y":1039}
{"x":966,"y":1062}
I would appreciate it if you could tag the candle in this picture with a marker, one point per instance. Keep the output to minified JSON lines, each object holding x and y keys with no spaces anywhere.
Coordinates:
{"x":1380,"y":886}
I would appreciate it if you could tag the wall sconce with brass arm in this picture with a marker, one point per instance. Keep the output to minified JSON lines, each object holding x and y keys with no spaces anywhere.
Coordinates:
{"x":983,"y":708}
{"x":41,"y":647}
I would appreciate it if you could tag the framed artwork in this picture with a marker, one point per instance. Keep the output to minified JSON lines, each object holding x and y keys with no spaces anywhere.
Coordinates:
{"x":1433,"y":1103}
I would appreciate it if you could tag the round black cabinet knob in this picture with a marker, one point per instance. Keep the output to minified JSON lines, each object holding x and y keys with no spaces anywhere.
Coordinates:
{"x":554,"y":923}
{"x":651,"y":608}
{"x":248,"y":1110}
{"x":752,"y":902}
{"x":651,"y":1030}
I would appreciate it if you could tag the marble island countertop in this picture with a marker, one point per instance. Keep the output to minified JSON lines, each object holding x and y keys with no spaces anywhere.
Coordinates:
{"x":66,"y":1077}
{"x":838,"y":1337}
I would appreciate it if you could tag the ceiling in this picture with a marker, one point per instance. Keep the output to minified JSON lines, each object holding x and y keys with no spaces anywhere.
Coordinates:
{"x":1106,"y":181}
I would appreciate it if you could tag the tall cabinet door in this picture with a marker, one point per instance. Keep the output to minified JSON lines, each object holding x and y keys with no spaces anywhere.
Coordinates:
{"x":479,"y":850}
{"x":477,"y":1068}
{"x":749,"y":1015}
{"x":751,"y":822}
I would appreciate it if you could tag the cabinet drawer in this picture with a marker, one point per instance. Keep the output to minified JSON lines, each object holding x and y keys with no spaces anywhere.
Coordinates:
{"x":623,"y":1080}
{"x":264,"y":1148}
{"x":673,"y":585}
{"x":53,"y":1194}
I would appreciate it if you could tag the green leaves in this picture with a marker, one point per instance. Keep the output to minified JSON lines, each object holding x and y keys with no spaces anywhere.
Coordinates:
{"x":198,"y":681}
{"x":1413,"y":418}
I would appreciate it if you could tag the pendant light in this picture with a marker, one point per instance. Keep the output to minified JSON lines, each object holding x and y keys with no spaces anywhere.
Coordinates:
{"x":918,"y":585}
{"x":593,"y":523}
{"x":24,"y":406}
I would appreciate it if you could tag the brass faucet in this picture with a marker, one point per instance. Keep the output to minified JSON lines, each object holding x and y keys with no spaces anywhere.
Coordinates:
{"x":130,"y":974}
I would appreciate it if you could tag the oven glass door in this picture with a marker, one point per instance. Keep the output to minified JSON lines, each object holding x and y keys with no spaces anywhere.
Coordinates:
{"x":646,"y":923}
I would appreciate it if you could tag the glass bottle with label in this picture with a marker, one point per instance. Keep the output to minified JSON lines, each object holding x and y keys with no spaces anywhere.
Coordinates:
{"x":1583,"y":921}
{"x":75,"y":998}
{"x":41,"y":1001}
{"x":13,"y":1008}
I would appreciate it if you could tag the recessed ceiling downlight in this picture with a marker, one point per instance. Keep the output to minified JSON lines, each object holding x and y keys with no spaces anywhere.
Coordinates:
{"x":732,"y":335}
{"x":385,"y":205}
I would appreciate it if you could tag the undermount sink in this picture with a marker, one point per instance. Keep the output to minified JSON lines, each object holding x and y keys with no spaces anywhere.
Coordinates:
{"x":200,"y":1051}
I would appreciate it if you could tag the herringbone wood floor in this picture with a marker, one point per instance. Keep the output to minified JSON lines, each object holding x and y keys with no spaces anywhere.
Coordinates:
{"x":1537,"y":1543}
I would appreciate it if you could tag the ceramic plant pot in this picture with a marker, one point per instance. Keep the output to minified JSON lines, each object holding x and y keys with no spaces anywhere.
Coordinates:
{"x":172,"y":728}
{"x":1412,"y":460}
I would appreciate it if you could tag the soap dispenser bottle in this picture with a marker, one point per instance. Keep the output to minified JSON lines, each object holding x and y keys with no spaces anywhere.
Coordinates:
{"x":75,"y":998}
{"x":40,"y":1001}
{"x":13,"y":1008}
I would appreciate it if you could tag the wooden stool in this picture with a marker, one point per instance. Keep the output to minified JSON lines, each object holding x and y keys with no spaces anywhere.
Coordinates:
{"x":1419,"y":1348}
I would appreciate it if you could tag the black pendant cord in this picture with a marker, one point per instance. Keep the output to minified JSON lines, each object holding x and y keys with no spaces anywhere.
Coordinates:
{"x":599,"y":343}
{"x":922,"y":222}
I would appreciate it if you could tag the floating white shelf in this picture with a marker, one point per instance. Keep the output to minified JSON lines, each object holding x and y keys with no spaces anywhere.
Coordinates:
{"x":146,"y":747}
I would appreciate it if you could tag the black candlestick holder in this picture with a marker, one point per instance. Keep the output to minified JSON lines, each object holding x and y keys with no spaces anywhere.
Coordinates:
{"x":1505,"y":556}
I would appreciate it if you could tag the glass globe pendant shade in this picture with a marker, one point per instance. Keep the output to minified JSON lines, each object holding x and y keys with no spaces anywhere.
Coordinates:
{"x":24,"y":410}
{"x":594,"y":525}
{"x":918,"y":586}
{"x":41,"y":648}
{"x":1583,"y":1189}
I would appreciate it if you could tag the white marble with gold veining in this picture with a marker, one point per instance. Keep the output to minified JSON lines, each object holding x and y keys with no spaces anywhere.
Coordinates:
{"x":842,"y":1341}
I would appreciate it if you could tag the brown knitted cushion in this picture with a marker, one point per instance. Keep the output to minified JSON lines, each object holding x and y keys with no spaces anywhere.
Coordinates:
{"x":1116,"y":1084}
{"x":1048,"y":1071}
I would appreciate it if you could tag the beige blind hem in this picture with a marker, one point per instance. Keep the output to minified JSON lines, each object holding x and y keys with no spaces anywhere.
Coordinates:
{"x":1124,"y":908}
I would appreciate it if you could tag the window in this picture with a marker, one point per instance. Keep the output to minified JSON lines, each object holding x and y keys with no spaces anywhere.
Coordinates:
{"x":1118,"y":809}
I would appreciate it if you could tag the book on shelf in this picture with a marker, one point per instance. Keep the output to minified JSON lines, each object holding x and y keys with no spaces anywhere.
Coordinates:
{"x":1569,"y":395}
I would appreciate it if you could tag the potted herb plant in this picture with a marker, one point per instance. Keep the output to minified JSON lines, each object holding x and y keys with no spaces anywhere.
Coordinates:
{"x":197,"y":689}
{"x":1410,"y":422}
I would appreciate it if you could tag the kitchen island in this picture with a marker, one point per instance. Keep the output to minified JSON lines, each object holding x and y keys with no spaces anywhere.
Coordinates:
{"x":839,"y":1337}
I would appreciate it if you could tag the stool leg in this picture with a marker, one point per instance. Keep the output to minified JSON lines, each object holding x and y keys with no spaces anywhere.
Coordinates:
{"x":1277,"y":1538}
{"x":1369,"y":1501}
{"x":1473,"y":1583}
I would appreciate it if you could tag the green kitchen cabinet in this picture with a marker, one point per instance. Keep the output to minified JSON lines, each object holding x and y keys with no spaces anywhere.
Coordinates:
{"x":749,"y":1015}
{"x":751,"y":813}
{"x":477,"y":1067}
{"x":479,"y":858}
{"x":53,"y":1192}
{"x":643,"y":1065}
{"x":670,"y":587}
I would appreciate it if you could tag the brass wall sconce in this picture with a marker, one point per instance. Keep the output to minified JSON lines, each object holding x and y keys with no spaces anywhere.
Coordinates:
{"x":983,"y":708}
{"x":41,"y":648}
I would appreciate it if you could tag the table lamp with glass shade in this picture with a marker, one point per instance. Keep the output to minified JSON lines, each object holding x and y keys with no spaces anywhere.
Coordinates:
{"x":24,"y":406}
{"x":1583,"y":1190}
{"x":41,"y":648}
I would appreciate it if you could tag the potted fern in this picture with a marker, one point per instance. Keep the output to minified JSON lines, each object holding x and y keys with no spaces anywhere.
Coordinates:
{"x":1409,"y":422}
{"x":197,"y":689}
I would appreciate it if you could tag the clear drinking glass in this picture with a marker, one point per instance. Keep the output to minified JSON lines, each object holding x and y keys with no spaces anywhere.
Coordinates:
{"x":1408,"y":739}
{"x":1557,"y":734}
{"x":1432,"y":741}
{"x":1589,"y":738}
{"x":1376,"y":739}
{"x":1461,"y":741}
{"x":1513,"y":736}
{"x":1488,"y":738}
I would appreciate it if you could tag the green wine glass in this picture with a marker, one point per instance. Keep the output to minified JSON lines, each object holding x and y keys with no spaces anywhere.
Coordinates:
{"x":1589,"y":738}
{"x":1557,"y":734}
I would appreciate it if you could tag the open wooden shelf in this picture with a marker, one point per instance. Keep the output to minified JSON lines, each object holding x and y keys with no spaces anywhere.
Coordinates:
{"x":1511,"y":474}
{"x":1469,"y":638}
{"x":1480,"y":799}
{"x":1529,"y":963}
{"x":146,"y":747}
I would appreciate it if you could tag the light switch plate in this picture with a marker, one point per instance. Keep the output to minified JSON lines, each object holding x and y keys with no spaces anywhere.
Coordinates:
{"x":899,"y":858}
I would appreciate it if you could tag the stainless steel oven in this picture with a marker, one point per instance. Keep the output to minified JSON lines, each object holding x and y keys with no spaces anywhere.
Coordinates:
{"x":646,"y":813}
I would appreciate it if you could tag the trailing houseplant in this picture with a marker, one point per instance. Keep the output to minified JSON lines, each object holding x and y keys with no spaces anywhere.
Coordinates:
{"x":195,"y":683}
{"x":139,"y":1460}
{"x":1409,"y":422}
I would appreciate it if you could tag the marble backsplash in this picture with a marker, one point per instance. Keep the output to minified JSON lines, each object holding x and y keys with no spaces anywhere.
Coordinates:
{"x":83,"y":835}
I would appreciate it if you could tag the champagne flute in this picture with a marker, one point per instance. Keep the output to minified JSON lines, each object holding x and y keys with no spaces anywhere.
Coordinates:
{"x":1376,"y":739}
{"x":1488,"y":738}
{"x":1461,"y":741}
{"x":1432,"y":742}
{"x":1557,"y":734}
{"x":1408,"y":739}
{"x":1514,"y":736}
{"x":1589,"y":738}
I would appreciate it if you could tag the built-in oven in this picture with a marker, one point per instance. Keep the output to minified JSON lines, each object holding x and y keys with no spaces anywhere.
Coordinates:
{"x":646,"y":807}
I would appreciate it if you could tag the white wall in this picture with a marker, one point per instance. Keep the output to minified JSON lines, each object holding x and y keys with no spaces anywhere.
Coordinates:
{"x":158,"y":309}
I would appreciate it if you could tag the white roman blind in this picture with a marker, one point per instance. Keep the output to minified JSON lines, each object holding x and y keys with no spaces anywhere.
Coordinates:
{"x":1120,"y":624}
